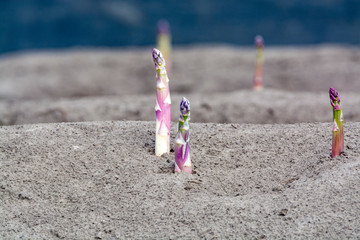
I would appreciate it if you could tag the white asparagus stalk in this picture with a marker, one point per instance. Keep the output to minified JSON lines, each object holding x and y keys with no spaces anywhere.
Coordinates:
{"x":162,"y":106}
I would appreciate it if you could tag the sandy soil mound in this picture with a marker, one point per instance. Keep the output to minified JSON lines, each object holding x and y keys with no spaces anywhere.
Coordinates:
{"x":214,"y":69}
{"x":90,"y":85}
{"x":102,"y":180}
{"x":246,"y":106}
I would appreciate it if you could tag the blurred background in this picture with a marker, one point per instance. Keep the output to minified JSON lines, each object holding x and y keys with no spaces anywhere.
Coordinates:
{"x":39,"y":24}
{"x":90,"y":60}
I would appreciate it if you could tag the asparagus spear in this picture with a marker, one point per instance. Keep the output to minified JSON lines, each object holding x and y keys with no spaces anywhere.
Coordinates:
{"x":338,"y":131}
{"x":164,"y":41}
{"x":182,"y":148}
{"x":162,"y":106}
{"x":258,"y":79}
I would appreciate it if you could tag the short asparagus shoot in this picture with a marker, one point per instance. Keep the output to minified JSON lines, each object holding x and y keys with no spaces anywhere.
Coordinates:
{"x":182,"y":148}
{"x":258,"y":79}
{"x":164,"y":41}
{"x":337,"y":131}
{"x":162,"y":105}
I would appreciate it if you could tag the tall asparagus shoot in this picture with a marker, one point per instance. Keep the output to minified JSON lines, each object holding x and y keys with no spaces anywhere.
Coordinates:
{"x":164,"y":41}
{"x":182,"y":148}
{"x":162,"y":106}
{"x":338,"y":131}
{"x":258,"y":79}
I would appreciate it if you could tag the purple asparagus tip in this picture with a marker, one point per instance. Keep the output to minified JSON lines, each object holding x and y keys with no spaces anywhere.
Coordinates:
{"x":184,"y":106}
{"x":259,"y":41}
{"x":333,"y":94}
{"x":158,"y":57}
{"x":334,"y":98}
{"x":163,"y":26}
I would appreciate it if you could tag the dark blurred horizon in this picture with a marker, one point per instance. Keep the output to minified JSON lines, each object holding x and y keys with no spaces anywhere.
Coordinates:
{"x":52,"y":24}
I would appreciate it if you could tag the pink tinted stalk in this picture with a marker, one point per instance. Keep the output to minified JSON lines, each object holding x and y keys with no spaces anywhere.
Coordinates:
{"x":341,"y":132}
{"x":338,"y":132}
{"x":258,"y":78}
{"x":182,"y":148}
{"x":164,"y":41}
{"x":162,"y":105}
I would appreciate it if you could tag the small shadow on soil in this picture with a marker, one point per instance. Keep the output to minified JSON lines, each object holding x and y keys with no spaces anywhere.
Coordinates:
{"x":166,"y":168}
{"x":150,"y":146}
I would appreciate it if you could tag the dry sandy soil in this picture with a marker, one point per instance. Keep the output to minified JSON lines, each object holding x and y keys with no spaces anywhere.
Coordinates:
{"x":218,"y":69}
{"x":101,"y":180}
{"x":265,"y":173}
{"x":92,"y":85}
{"x":246,"y":106}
